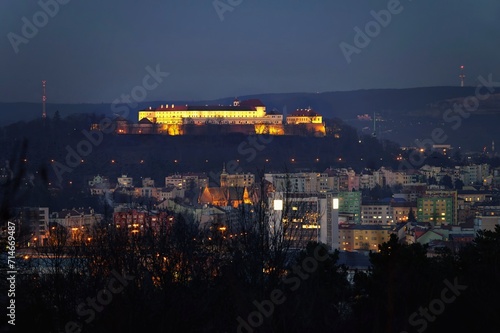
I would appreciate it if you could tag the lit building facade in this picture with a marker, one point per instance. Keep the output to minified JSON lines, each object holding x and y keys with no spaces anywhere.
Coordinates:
{"x":138,"y":222}
{"x":401,"y":211}
{"x":236,"y":180}
{"x":34,"y":222}
{"x":436,"y":209}
{"x":245,"y":112}
{"x":299,"y":182}
{"x":248,"y":116}
{"x":350,"y":203}
{"x":304,"y":116}
{"x":363,"y":237}
{"x":187,"y":181}
{"x":377,"y":214}
{"x":298,"y":218}
{"x":125,"y":181}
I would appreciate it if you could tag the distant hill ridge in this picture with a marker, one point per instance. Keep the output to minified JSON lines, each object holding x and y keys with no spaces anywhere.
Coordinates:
{"x":340,"y":104}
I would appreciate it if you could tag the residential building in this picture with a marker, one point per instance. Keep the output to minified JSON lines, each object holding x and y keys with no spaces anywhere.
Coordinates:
{"x":354,"y":237}
{"x":78,"y":222}
{"x":125,"y":181}
{"x":146,"y":192}
{"x":437,"y":210}
{"x":377,"y":213}
{"x":169,"y":192}
{"x":299,"y":218}
{"x":350,"y":203}
{"x":138,"y":221}
{"x":100,"y":185}
{"x":148,"y":182}
{"x":401,"y":211}
{"x":301,"y":182}
{"x":186,"y":181}
{"x":452,"y":236}
{"x":236,"y":180}
{"x":33,"y":225}
{"x":205,"y":215}
{"x":486,"y":223}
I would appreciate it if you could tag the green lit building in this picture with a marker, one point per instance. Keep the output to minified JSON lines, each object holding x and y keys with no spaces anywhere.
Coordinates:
{"x":350,"y":203}
{"x":436,"y":210}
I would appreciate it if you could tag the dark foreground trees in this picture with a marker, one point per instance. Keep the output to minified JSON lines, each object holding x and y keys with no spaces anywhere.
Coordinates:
{"x":188,"y":279}
{"x":406,"y":291}
{"x":180,"y":281}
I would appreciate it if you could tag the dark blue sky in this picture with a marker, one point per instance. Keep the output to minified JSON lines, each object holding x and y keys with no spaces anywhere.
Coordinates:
{"x":94,"y":51}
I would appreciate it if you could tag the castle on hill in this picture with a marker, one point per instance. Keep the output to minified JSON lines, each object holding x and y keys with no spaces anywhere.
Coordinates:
{"x":248,"y":117}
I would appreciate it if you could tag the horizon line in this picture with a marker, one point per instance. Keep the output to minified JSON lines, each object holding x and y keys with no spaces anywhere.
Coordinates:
{"x":242,"y":96}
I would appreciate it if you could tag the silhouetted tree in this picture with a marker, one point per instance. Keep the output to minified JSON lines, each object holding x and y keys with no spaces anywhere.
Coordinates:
{"x":411,"y":216}
{"x":446,"y":181}
{"x":459,"y":184}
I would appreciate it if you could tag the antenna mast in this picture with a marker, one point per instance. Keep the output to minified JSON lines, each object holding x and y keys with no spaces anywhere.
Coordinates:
{"x":462,"y":76}
{"x":374,"y":134}
{"x":44,"y":99}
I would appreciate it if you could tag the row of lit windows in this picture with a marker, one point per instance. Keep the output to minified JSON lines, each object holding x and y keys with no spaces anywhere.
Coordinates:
{"x":432,"y":211}
{"x":375,"y":208}
{"x":209,"y":114}
{"x":376,"y":217}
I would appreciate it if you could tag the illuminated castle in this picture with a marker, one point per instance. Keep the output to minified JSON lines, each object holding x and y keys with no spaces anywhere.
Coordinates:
{"x":251,"y":111}
{"x":248,"y":116}
{"x":304,"y":116}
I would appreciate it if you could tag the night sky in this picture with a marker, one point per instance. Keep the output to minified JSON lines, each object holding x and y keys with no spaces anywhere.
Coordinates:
{"x":94,"y":51}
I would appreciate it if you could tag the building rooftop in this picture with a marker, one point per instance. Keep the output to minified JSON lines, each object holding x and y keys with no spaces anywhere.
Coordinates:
{"x":304,"y":113}
{"x":366,"y":226}
{"x":246,"y":105}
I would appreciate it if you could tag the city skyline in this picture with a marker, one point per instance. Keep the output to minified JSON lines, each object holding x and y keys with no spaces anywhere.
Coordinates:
{"x":250,"y":165}
{"x":216,"y":49}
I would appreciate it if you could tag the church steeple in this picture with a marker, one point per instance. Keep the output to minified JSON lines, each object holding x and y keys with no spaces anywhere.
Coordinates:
{"x":223,"y":176}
